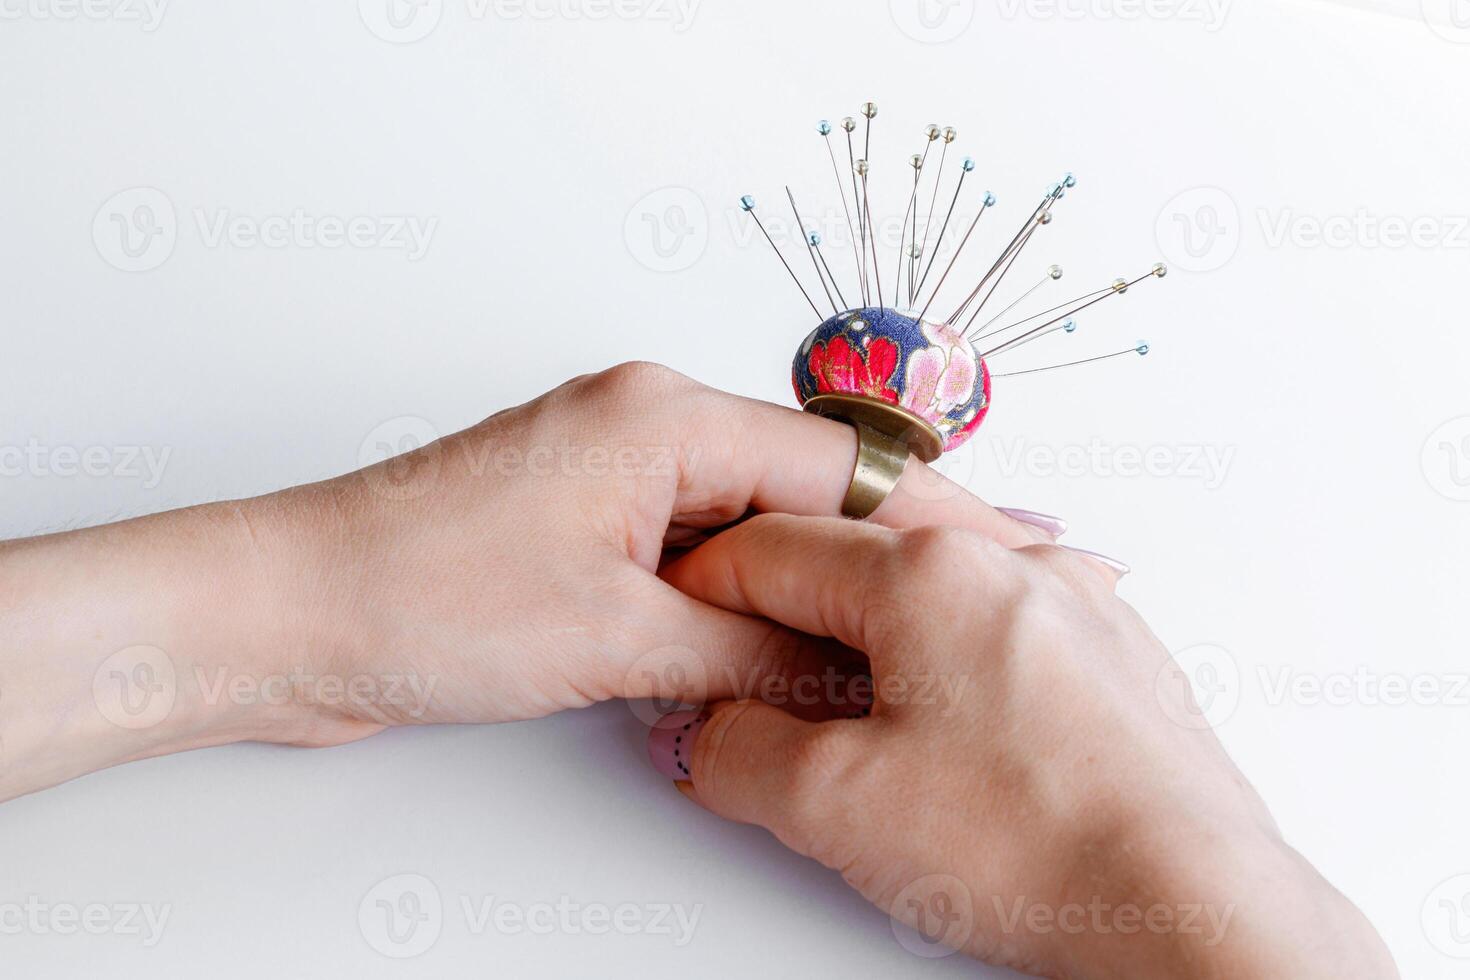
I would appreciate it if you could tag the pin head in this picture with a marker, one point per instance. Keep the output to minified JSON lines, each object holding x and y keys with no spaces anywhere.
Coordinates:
{"x":920,"y":381}
{"x":747,"y":203}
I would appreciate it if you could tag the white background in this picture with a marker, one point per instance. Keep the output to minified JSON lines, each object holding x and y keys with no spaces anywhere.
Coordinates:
{"x":1330,"y":540}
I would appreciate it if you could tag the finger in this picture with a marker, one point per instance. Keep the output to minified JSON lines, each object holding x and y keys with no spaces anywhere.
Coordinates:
{"x":865,"y":586}
{"x":1112,"y":569}
{"x":688,"y":652}
{"x":1074,"y":565}
{"x":796,"y":463}
{"x":738,"y":453}
{"x":753,"y":763}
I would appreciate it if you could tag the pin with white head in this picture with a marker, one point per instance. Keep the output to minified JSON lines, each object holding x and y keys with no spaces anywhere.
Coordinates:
{"x":825,"y":129}
{"x":948,"y":134}
{"x":966,"y":167}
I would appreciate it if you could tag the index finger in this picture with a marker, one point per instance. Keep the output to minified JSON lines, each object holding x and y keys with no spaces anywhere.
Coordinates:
{"x":752,"y":454}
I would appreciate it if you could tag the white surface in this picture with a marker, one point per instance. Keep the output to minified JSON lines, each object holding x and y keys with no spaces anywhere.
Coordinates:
{"x":1319,"y":371}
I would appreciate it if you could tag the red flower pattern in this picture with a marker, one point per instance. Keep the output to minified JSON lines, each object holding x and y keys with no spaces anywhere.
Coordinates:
{"x":846,"y":368}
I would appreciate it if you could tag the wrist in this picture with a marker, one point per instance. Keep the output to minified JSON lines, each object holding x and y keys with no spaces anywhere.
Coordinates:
{"x":289,"y":667}
{"x":1218,"y":902}
{"x":139,"y":639}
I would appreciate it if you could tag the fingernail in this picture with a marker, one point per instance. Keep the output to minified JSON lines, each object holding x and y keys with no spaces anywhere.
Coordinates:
{"x":1112,"y":563}
{"x":671,"y":742}
{"x":1054,"y":526}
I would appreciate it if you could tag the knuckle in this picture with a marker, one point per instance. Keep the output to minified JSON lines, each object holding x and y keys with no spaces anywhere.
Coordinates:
{"x":926,"y":568}
{"x":926,"y":554}
{"x":886,"y":618}
{"x":805,"y":777}
{"x":713,"y":752}
{"x":636,"y":380}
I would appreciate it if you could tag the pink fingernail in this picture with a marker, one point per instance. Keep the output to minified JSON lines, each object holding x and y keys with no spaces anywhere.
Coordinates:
{"x":671,"y":742}
{"x":1112,"y":563}
{"x":1054,"y":526}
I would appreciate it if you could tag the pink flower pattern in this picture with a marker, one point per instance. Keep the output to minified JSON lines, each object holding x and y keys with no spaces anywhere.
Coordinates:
{"x":940,"y":377}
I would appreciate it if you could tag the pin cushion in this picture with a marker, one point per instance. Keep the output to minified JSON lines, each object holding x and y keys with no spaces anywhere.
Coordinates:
{"x":908,"y":385}
{"x":919,"y":382}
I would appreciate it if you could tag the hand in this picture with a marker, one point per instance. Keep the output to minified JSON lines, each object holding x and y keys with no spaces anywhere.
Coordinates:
{"x":502,"y":573}
{"x":1019,"y":790}
{"x":517,"y":561}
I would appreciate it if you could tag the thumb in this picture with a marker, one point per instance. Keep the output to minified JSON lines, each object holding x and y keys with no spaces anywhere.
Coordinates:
{"x":754,"y":763}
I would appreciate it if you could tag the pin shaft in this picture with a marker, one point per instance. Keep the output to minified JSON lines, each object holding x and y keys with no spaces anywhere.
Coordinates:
{"x":812,"y":251}
{"x":1053,"y":367}
{"x":789,"y":271}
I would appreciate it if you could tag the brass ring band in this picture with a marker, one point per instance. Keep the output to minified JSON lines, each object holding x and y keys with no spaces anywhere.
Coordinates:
{"x":880,"y":463}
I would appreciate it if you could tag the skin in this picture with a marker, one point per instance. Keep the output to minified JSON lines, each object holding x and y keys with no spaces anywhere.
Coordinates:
{"x":541,"y":561}
{"x":1048,"y":806}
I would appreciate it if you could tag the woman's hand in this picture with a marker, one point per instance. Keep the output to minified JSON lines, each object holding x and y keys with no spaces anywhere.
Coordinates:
{"x":516,"y":561}
{"x":1019,"y":790}
{"x":502,"y":573}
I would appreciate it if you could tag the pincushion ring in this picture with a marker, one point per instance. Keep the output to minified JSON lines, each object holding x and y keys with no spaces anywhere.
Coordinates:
{"x":880,"y":463}
{"x":887,"y":436}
